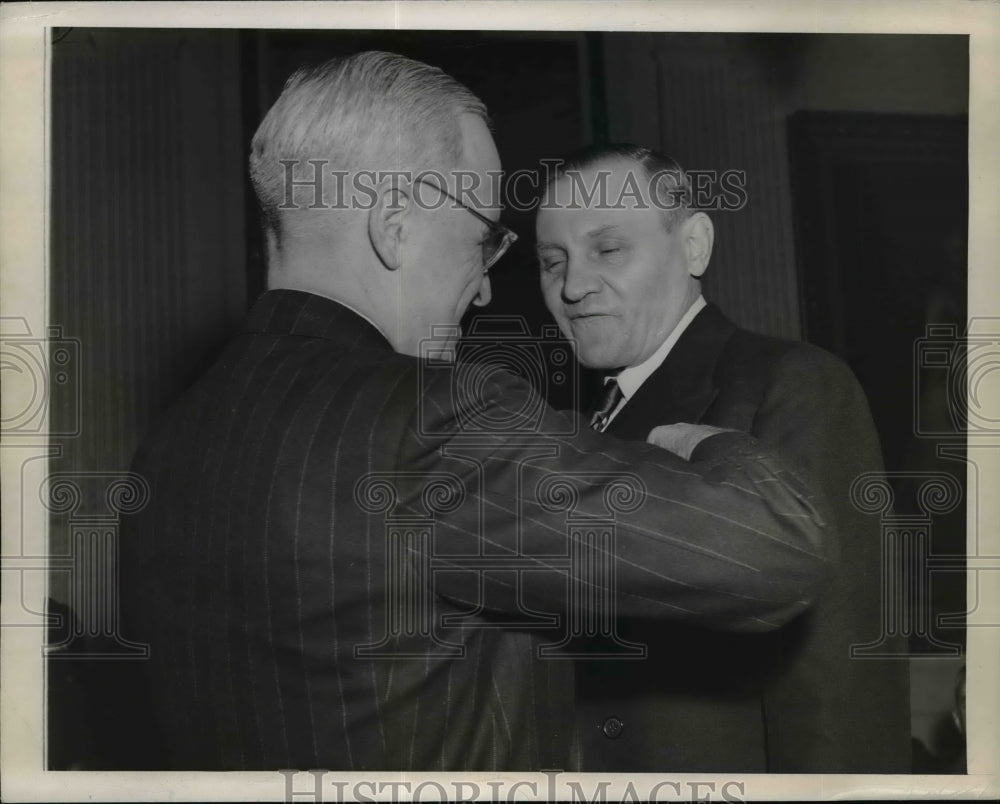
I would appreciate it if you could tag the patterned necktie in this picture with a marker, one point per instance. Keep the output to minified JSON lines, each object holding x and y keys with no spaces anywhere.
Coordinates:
{"x":606,"y":405}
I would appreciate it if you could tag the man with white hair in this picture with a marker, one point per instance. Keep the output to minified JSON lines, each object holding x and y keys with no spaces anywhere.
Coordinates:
{"x":348,"y":554}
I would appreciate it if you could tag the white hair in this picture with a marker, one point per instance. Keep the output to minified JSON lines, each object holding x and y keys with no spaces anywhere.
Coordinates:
{"x":370,"y":111}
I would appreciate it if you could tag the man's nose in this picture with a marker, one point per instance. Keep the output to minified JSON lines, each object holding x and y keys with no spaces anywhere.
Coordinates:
{"x":579,"y":280}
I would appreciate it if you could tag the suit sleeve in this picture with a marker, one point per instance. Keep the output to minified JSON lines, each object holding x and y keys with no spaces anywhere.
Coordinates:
{"x":733,"y":540}
{"x":815,"y":413}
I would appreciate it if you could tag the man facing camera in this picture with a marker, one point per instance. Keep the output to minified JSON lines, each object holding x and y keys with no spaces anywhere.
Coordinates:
{"x":621,"y":254}
{"x":355,"y":556}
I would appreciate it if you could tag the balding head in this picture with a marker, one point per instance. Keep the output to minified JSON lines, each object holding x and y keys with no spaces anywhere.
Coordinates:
{"x":620,"y":253}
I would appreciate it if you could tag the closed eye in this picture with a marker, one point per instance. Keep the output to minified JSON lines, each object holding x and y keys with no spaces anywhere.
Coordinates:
{"x":550,"y":258}
{"x":610,"y":249}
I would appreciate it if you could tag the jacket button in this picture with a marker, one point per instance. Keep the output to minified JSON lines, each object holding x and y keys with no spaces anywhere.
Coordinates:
{"x":612,"y":728}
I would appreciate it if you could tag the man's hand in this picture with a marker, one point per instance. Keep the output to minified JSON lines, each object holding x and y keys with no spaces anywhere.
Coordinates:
{"x":681,"y":439}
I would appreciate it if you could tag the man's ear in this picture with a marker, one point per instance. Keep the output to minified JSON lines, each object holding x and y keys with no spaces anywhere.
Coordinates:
{"x":699,"y":236}
{"x":485,"y":294}
{"x":387,"y":225}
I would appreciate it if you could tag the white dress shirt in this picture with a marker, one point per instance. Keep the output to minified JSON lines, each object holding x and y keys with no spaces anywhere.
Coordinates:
{"x":632,"y":378}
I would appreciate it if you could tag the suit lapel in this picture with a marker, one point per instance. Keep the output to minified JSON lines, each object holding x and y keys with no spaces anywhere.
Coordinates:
{"x":682,"y":389}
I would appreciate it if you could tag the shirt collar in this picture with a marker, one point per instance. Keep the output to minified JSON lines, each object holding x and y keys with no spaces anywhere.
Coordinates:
{"x":358,"y":313}
{"x":632,"y":378}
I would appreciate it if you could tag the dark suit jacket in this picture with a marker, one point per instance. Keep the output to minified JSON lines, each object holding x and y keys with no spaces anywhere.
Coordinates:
{"x":791,"y":701}
{"x":263,"y":565}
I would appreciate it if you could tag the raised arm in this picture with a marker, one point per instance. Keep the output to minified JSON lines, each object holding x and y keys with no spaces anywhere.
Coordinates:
{"x":731,"y":540}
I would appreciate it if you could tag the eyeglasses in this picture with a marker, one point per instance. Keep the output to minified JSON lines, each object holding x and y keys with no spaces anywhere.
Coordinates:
{"x":498,"y":237}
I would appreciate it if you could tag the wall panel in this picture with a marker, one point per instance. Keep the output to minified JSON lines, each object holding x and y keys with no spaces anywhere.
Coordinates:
{"x":146,"y":228}
{"x":713,"y":106}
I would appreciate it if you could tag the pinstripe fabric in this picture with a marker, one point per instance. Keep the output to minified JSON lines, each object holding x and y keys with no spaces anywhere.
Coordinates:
{"x":792,"y":701}
{"x":254,"y":573}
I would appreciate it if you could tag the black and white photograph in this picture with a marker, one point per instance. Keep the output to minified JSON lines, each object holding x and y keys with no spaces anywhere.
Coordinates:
{"x":440,"y":401}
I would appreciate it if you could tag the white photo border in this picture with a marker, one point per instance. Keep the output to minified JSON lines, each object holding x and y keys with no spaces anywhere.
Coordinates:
{"x":24,"y":253}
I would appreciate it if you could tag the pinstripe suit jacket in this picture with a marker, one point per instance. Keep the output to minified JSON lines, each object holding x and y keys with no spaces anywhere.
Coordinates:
{"x":792,"y":701}
{"x":261,"y":569}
